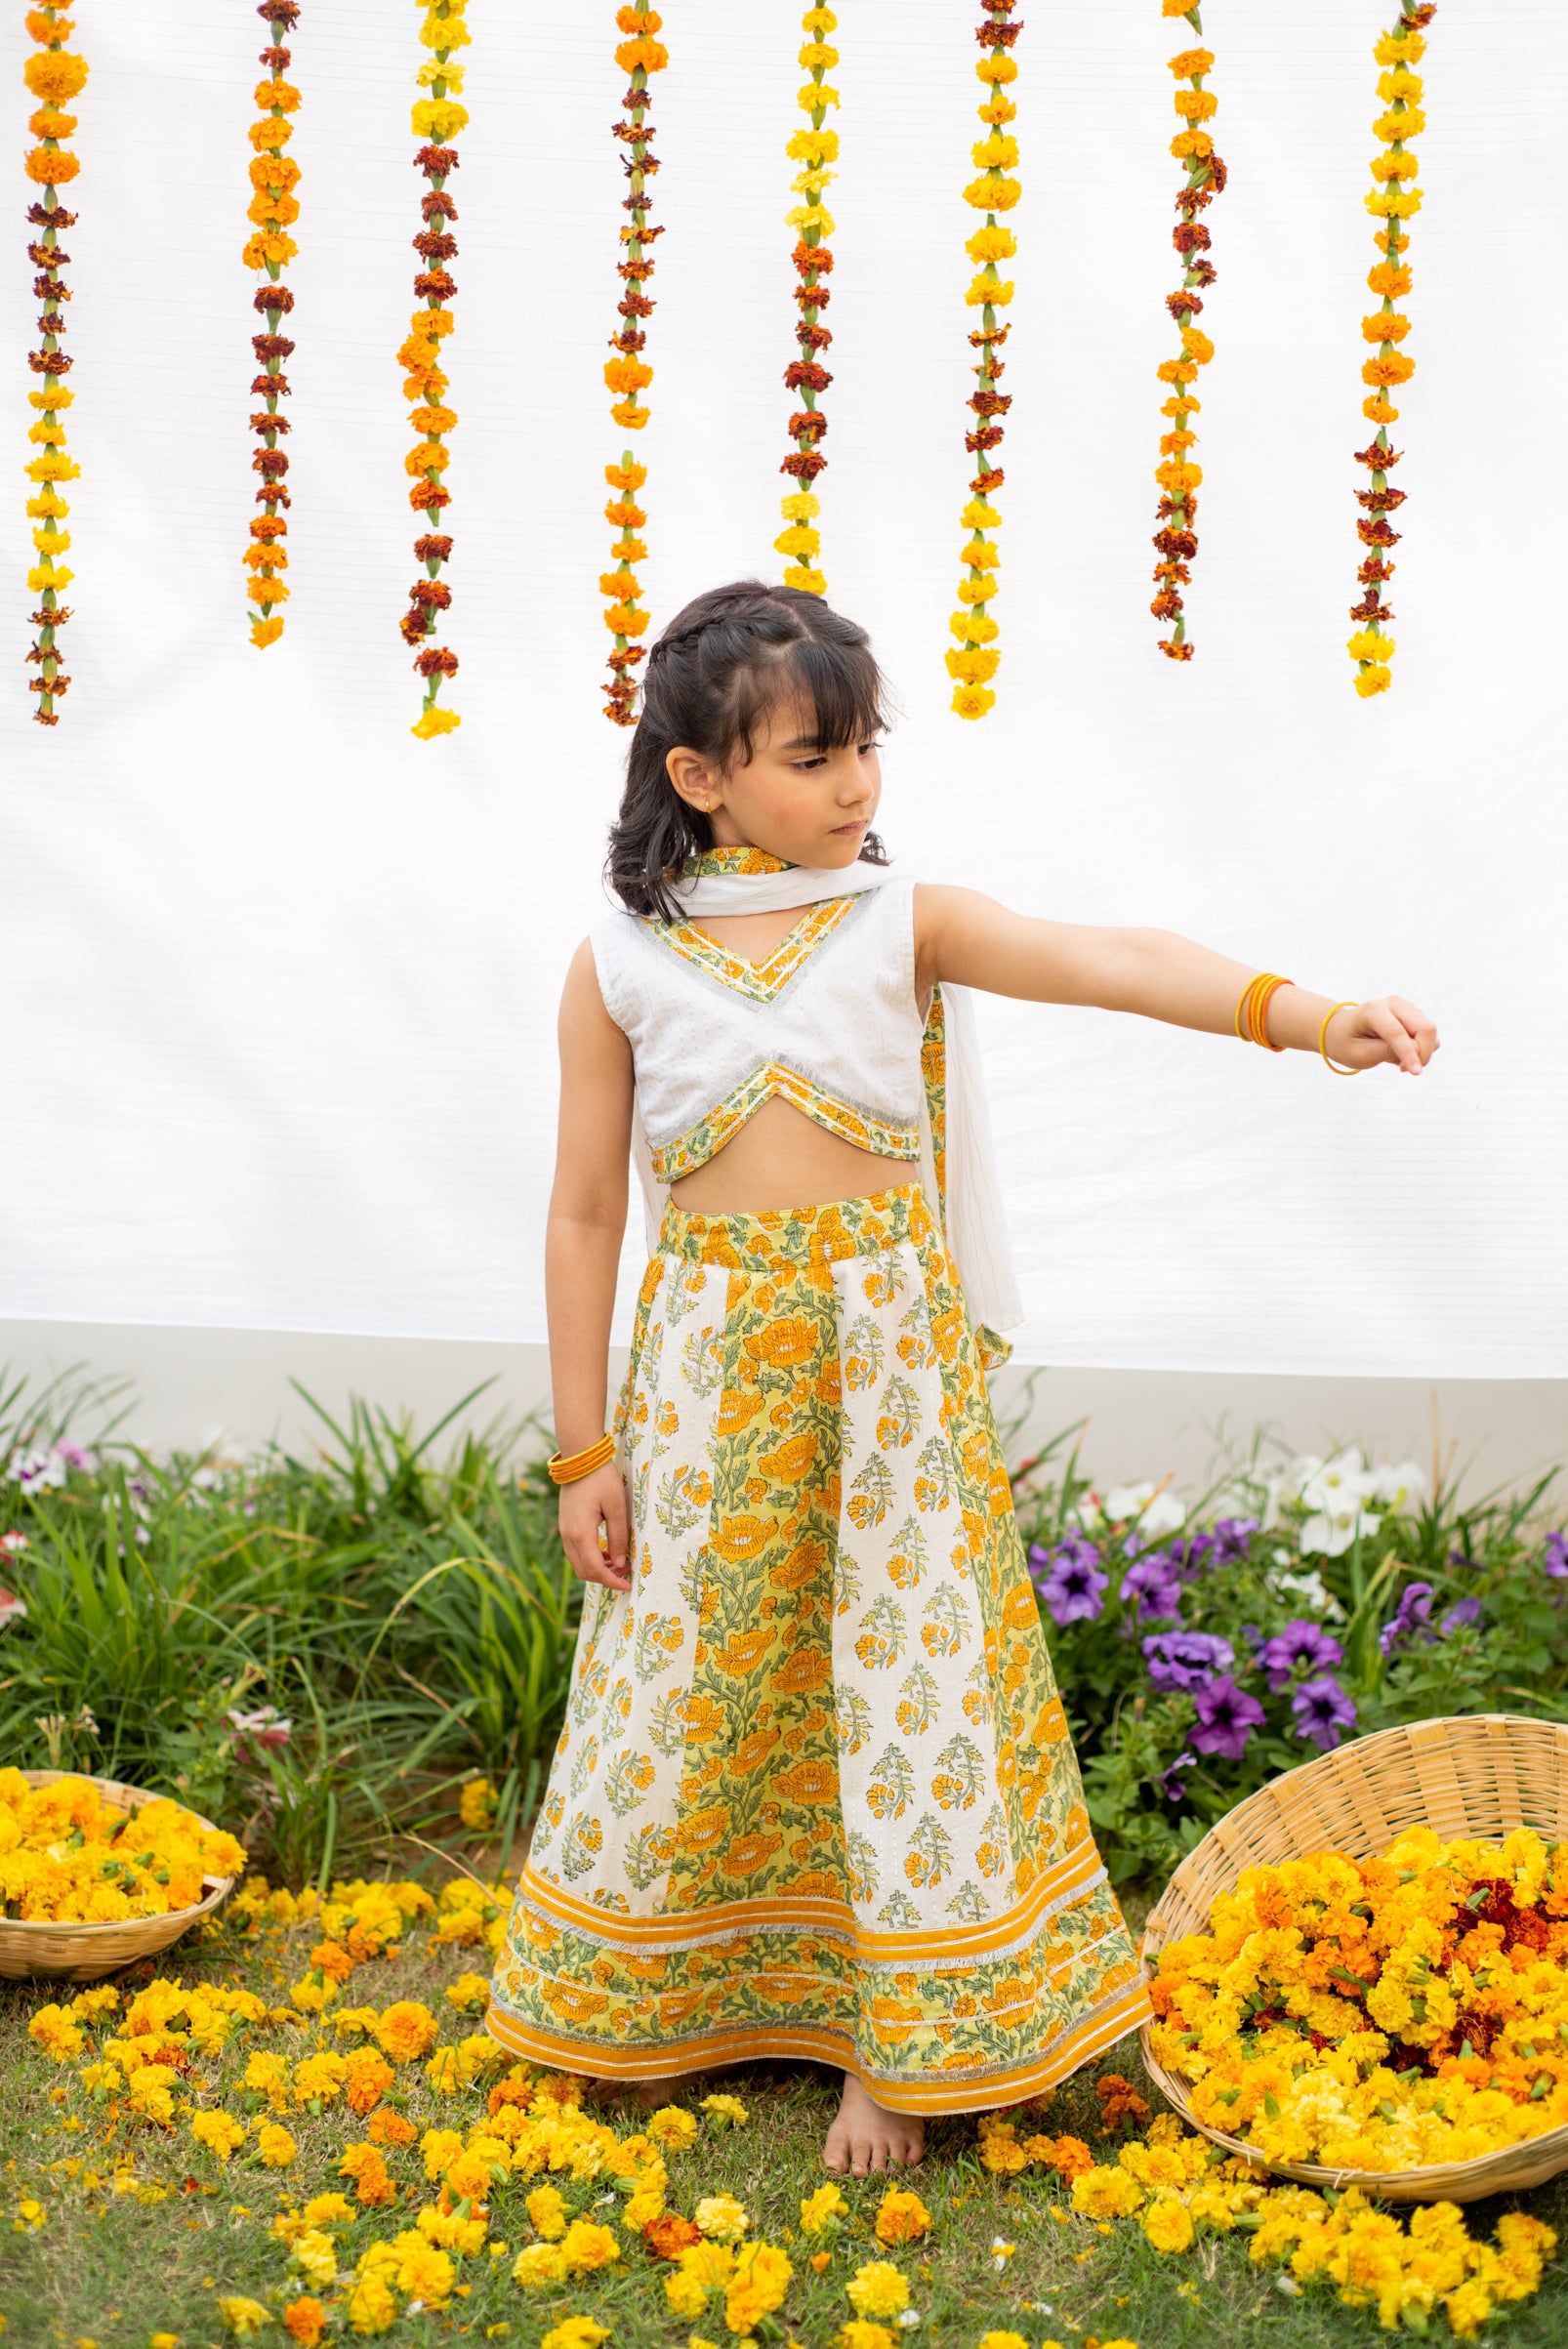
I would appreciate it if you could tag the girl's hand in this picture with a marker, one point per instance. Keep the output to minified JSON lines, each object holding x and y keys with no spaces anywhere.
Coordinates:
{"x":593,"y":1500}
{"x":1388,"y":1028}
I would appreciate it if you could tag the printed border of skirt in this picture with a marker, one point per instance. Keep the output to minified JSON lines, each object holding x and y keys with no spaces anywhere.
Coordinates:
{"x":969,"y":2092}
{"x":735,"y":1921}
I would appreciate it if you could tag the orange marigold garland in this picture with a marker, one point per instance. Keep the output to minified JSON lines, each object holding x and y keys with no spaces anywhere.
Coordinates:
{"x":975,"y":661}
{"x":1392,"y":200}
{"x":53,"y":76}
{"x":436,"y":119}
{"x":814,"y":150}
{"x":1175,"y":541}
{"x":273,"y":208}
{"x":628,"y":373}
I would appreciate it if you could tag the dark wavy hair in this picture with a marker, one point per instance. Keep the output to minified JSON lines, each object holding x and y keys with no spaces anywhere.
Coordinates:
{"x":723,"y":660}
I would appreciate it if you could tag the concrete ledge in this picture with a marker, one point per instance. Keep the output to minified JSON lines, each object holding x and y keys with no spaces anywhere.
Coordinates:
{"x":192,"y":1386}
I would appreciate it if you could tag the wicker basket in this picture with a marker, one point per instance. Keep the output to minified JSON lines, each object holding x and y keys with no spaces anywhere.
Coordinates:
{"x":82,"y":1952}
{"x":1478,"y":1775}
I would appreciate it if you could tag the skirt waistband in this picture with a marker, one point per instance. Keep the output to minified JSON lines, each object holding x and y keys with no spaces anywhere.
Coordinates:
{"x":773,"y":1238}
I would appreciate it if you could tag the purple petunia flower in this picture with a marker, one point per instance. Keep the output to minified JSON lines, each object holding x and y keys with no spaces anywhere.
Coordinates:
{"x":1467,"y":1611}
{"x":1556,"y":1558}
{"x":1186,"y":1659}
{"x":1232,"y":1540}
{"x":1152,"y":1584}
{"x":1301,"y":1646}
{"x":1226,"y":1718}
{"x":1069,"y":1580}
{"x":1174,"y":1788}
{"x":1410,"y":1619}
{"x":1323,"y":1711}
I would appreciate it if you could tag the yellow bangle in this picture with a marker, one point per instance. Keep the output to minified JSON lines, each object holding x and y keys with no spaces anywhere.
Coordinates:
{"x":567,"y":1467}
{"x":1349,"y":1005}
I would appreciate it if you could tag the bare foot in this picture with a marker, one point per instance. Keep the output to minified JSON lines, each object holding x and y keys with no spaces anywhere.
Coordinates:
{"x":867,"y":2136}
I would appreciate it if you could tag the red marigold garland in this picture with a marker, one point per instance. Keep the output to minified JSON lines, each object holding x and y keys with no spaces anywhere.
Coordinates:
{"x":628,"y":373}
{"x":435,"y":119}
{"x":273,"y":208}
{"x":1175,"y":541}
{"x":974,"y":660}
{"x":814,"y":150}
{"x":53,"y":76}
{"x":1392,"y":200}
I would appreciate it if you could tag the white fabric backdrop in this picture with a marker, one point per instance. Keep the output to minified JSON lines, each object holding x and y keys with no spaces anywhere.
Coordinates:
{"x":281,"y":980}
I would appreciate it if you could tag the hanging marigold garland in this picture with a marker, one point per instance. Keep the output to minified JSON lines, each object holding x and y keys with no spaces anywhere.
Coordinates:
{"x":976,"y":659}
{"x":436,"y":120}
{"x":1392,"y":201}
{"x":53,"y":76}
{"x":273,"y":207}
{"x":814,"y":150}
{"x":627,"y":374}
{"x":1175,"y":541}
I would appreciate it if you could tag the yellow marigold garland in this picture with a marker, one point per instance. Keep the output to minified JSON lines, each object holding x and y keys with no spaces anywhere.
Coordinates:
{"x":1392,"y":200}
{"x":814,"y":150}
{"x":436,"y":119}
{"x":1175,"y":541}
{"x":627,"y":373}
{"x":273,"y":208}
{"x":53,"y":76}
{"x":974,"y":660}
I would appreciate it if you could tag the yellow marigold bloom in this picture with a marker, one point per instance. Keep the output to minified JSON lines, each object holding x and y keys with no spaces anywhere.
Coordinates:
{"x":974,"y":665}
{"x":629,"y":415}
{"x":810,"y":216}
{"x":994,"y":193}
{"x":1399,"y":84}
{"x":52,"y":2028}
{"x":406,"y":2031}
{"x":808,"y":581}
{"x":996,"y":291}
{"x":538,"y":2266}
{"x":981,"y":555}
{"x":50,"y":167}
{"x":1372,"y":680}
{"x":878,"y":2290}
{"x":812,"y":95}
{"x":974,"y":591}
{"x":1191,"y":61}
{"x":277,"y":94}
{"x":241,"y":2317}
{"x":1395,"y":203}
{"x":1397,"y":368}
{"x":1187,"y":144}
{"x":812,"y":146}
{"x":435,"y":71}
{"x":1168,"y":2224}
{"x":435,"y":720}
{"x":991,"y":243}
{"x":671,"y":2127}
{"x":721,"y":2217}
{"x":1398,"y":164}
{"x":41,"y":576}
{"x":822,"y":2210}
{"x":1386,"y":326}
{"x":1197,"y":346}
{"x":314,"y":2254}
{"x":437,"y":118}
{"x":812,"y":54}
{"x":800,"y":539}
{"x":975,"y":628}
{"x":651,"y":55}
{"x":444,"y":32}
{"x":272,"y":130}
{"x":266,"y":631}
{"x":1379,"y":410}
{"x":273,"y":2142}
{"x":1409,"y":124}
{"x":860,"y":2334}
{"x":1195,"y":105}
{"x":811,"y":183}
{"x":547,"y":2213}
{"x":627,"y":375}
{"x":1101,"y":2192}
{"x":799,"y":507}
{"x":586,"y":2246}
{"x":372,"y":2306}
{"x":575,"y":2333}
{"x":996,"y":152}
{"x":55,"y":75}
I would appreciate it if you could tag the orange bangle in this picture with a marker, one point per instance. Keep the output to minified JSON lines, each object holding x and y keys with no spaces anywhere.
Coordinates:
{"x":567,"y":1467}
{"x":1251,"y":1012}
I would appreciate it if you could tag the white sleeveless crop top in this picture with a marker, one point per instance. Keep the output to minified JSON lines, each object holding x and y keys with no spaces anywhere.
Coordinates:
{"x":829,"y":1021}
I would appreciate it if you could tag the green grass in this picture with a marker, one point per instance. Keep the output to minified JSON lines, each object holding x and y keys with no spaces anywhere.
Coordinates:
{"x":112,"y":2269}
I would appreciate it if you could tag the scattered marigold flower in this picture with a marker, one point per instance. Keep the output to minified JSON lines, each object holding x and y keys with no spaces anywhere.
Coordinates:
{"x":901,"y":2217}
{"x":878,"y":2290}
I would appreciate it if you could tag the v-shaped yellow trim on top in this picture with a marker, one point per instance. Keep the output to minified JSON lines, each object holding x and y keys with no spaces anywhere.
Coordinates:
{"x":760,"y":982}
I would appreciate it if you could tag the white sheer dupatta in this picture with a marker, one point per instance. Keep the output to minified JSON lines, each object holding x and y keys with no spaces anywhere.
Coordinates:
{"x":970,"y":1199}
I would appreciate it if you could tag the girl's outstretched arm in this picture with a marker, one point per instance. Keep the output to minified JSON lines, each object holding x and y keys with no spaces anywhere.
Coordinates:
{"x":972,"y":941}
{"x":582,"y":1236}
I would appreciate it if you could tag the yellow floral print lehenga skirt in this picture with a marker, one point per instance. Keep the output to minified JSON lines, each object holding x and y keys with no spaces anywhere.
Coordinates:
{"x":814,"y":1796}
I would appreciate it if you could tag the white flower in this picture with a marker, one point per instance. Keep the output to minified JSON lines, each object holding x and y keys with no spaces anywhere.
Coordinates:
{"x":1335,"y":1483}
{"x":1126,"y":1500}
{"x":36,"y":1471}
{"x":1157,"y":1510}
{"x":10,"y":1606}
{"x":1331,"y":1533}
{"x":909,"y":2318}
{"x":12,"y":1544}
{"x":1311,"y":1589}
{"x":1001,"y":2253}
{"x":1393,"y":1487}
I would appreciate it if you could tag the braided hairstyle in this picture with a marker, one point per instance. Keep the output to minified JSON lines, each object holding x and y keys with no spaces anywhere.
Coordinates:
{"x":712,"y":675}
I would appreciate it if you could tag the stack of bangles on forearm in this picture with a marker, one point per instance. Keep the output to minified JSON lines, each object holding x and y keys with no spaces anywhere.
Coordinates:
{"x":566,"y":1467}
{"x":1252,"y":1017}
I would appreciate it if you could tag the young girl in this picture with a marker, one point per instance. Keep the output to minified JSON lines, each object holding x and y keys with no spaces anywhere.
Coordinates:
{"x":815,"y":1795}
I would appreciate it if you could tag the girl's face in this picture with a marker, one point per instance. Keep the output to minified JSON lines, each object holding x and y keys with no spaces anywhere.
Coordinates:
{"x":793,"y":798}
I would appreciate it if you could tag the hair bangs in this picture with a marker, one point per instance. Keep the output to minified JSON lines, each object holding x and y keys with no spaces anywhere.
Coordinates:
{"x":836,"y":690}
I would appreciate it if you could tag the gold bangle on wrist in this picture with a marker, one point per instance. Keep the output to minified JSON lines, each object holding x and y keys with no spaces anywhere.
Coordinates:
{"x":567,"y":1467}
{"x":1349,"y":1005}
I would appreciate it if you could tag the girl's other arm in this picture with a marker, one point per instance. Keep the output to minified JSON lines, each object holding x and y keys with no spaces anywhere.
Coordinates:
{"x":587,"y":1222}
{"x":972,"y":941}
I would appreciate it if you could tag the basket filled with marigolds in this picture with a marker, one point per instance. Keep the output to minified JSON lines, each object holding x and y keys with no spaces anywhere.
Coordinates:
{"x":94,"y":1874}
{"x":1360,"y":1976}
